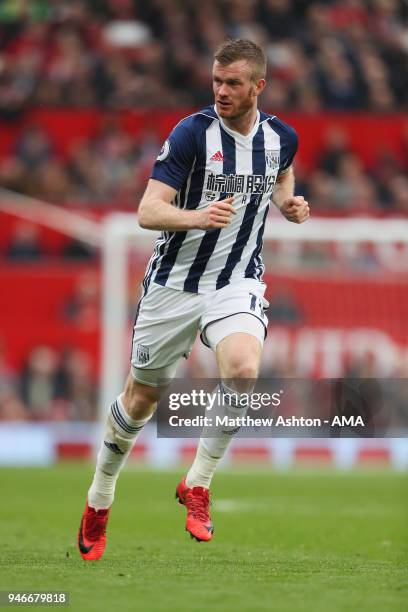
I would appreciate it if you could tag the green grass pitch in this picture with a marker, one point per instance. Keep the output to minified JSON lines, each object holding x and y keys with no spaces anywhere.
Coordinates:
{"x":292,"y":541}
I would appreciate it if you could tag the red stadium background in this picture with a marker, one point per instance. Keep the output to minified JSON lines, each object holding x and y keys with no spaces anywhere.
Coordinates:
{"x":341,"y":318}
{"x":340,"y":301}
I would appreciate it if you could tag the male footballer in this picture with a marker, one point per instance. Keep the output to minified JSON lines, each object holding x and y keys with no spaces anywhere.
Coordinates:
{"x":208,"y":195}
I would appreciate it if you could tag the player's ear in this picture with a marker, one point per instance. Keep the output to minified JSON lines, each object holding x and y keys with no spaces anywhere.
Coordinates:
{"x":259,"y":86}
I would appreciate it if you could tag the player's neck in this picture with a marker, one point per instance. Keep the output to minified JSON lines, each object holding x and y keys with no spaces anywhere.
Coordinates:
{"x":244,"y":124}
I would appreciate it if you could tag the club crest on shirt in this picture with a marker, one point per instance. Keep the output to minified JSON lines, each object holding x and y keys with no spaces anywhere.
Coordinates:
{"x":164,"y":151}
{"x":272,"y":159}
{"x":142,"y":354}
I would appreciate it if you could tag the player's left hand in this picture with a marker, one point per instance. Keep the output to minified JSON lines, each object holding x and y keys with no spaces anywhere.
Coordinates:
{"x":295,"y":209}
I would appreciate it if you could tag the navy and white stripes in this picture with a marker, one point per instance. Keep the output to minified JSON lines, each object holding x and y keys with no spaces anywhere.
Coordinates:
{"x":123,"y":421}
{"x":206,"y":162}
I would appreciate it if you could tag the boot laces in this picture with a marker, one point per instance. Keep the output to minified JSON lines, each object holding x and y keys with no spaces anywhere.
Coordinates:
{"x":96,"y":525}
{"x":198,"y":501}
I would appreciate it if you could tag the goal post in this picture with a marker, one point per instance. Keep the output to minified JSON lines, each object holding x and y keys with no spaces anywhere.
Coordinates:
{"x":121,"y":234}
{"x":120,"y":230}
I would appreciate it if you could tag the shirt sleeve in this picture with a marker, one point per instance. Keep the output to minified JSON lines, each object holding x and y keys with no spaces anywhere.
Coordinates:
{"x":176,"y":158}
{"x":289,"y":149}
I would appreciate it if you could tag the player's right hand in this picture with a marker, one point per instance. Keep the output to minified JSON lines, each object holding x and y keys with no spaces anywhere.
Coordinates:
{"x":217,"y":215}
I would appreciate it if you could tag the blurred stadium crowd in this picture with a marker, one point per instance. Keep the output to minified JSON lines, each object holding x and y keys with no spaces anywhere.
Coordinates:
{"x":114,"y":166}
{"x":333,"y":54}
{"x":53,"y":385}
{"x":116,"y":54}
{"x":55,"y":382}
{"x":328,"y":55}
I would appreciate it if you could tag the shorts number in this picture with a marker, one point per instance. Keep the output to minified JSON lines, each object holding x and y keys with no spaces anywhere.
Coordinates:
{"x":256,"y":301}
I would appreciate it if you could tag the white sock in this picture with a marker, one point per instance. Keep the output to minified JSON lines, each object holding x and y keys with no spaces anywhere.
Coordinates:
{"x":211,"y":449}
{"x":204,"y":466}
{"x":120,"y":434}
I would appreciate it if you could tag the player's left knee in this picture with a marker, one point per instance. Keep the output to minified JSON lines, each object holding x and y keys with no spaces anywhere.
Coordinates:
{"x":239,"y":360}
{"x":241,"y":368}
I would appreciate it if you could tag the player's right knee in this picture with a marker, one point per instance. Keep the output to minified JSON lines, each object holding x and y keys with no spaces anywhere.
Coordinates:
{"x":139,"y":400}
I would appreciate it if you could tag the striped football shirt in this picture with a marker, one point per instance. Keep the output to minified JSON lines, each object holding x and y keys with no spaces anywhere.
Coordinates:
{"x":206,"y":161}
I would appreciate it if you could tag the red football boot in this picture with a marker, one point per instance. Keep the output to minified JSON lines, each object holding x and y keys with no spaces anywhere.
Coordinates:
{"x":197,"y":502}
{"x":92,"y":533}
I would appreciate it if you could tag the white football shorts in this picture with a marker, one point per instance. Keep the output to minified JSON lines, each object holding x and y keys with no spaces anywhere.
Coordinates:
{"x":168,"y":320}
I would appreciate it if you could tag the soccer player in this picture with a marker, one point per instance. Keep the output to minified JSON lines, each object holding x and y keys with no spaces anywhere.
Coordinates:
{"x":209,"y":194}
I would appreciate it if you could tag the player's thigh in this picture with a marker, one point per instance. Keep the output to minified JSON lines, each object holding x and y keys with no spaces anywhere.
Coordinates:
{"x":236,"y":308}
{"x":234,"y":327}
{"x":164,"y":331}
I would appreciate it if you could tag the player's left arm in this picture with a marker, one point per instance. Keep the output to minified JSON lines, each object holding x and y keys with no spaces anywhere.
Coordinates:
{"x":293,"y":208}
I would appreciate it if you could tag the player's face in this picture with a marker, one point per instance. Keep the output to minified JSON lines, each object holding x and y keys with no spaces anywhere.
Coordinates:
{"x":235,"y":91}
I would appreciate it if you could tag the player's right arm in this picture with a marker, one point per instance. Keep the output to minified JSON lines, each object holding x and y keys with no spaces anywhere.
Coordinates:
{"x":157,"y":213}
{"x":171,"y":170}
